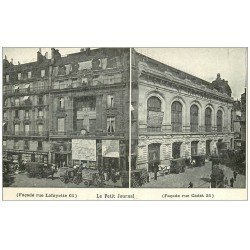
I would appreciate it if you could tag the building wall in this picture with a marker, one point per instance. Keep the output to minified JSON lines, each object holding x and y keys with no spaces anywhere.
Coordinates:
{"x":152,"y":78}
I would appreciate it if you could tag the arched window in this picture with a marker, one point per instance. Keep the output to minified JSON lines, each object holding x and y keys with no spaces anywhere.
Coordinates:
{"x":176,"y":116}
{"x":154,"y":104}
{"x":219,"y":121}
{"x":155,"y":116}
{"x":208,"y":120}
{"x":194,"y":118}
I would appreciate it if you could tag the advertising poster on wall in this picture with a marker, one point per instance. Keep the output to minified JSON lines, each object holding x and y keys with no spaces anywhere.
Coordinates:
{"x":84,"y":149}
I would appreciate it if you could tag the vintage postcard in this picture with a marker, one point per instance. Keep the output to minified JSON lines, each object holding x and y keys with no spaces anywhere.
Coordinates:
{"x":124,"y":123}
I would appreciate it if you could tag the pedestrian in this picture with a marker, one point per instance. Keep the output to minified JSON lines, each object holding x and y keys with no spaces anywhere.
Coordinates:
{"x":53,"y":170}
{"x":155,"y":171}
{"x":235,"y":175}
{"x":232,"y":182}
{"x":191,"y":185}
{"x":226,"y":181}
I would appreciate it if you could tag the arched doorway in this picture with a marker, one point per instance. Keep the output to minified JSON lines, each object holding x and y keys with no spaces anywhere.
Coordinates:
{"x":153,"y":156}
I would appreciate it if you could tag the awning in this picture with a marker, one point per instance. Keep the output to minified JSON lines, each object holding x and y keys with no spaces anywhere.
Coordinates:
{"x":16,"y":87}
{"x":25,"y":98}
{"x":26,"y":86}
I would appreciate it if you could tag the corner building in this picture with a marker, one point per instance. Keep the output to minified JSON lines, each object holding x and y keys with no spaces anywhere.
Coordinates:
{"x":84,"y":114}
{"x":176,"y":114}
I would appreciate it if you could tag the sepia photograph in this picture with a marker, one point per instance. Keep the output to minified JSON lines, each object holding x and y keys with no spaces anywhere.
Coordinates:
{"x":188,"y":117}
{"x":66,"y":117}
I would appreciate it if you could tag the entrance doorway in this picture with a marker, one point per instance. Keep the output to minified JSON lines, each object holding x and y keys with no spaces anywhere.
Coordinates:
{"x":60,"y":159}
{"x":176,"y":150}
{"x":153,"y":156}
{"x":208,"y":148}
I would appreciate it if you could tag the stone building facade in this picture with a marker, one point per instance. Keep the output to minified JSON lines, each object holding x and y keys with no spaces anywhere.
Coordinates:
{"x":176,"y":114}
{"x":72,"y":101}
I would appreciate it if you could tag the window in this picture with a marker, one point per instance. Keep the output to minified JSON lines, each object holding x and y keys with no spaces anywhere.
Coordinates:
{"x":43,"y":73}
{"x":40,"y":100}
{"x":29,"y":74}
{"x":55,"y":71}
{"x":19,"y":76}
{"x":61,"y":102}
{"x":110,"y":101}
{"x":40,"y":113}
{"x":26,"y":129}
{"x":194,"y":147}
{"x":26,"y":145}
{"x":4,"y":144}
{"x":27,"y":114}
{"x":232,"y":121}
{"x":40,"y":145}
{"x":61,"y":125}
{"x":40,"y":129}
{"x":176,"y":116}
{"x":5,"y":116}
{"x":16,"y":145}
{"x":219,"y":121}
{"x":154,"y":104}
{"x":111,"y":124}
{"x":176,"y":150}
{"x":208,"y":120}
{"x":7,"y":78}
{"x":154,"y":114}
{"x":16,"y":127}
{"x":17,"y":102}
{"x":16,"y":113}
{"x":194,"y":118}
{"x":68,"y":69}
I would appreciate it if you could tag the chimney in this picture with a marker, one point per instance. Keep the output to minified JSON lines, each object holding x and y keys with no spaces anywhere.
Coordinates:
{"x":12,"y":60}
{"x":55,"y":54}
{"x":46,"y":55}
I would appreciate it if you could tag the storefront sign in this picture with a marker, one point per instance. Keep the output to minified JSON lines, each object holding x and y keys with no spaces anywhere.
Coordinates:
{"x":84,"y":149}
{"x":110,"y":148}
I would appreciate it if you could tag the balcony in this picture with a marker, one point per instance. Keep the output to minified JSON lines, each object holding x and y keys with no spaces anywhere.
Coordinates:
{"x":26,"y":133}
{"x":25,"y":91}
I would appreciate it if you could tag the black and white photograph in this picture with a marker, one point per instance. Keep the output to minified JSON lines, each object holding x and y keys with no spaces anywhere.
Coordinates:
{"x":66,"y":117}
{"x":188,"y":118}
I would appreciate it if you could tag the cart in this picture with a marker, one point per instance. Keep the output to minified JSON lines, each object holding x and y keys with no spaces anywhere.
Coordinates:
{"x":38,"y":170}
{"x":199,"y":160}
{"x":139,"y":177}
{"x":69,"y":174}
{"x":178,"y":165}
{"x":91,"y":176}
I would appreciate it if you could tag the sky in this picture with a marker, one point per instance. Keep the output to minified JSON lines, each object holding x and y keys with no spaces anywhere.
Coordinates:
{"x":204,"y":63}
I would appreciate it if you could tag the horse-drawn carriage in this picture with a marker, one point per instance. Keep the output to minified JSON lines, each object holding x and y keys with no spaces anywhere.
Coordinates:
{"x":39,"y":170}
{"x":88,"y":176}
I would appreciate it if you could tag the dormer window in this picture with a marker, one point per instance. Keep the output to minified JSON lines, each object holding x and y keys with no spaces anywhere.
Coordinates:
{"x":19,"y":76}
{"x":43,"y":73}
{"x":29,"y":74}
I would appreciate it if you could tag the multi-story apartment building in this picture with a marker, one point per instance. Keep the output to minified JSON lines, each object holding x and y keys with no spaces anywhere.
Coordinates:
{"x":68,"y":109}
{"x":176,"y":114}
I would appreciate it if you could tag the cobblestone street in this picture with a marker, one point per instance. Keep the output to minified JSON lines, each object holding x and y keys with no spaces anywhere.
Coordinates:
{"x":199,"y":176}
